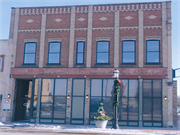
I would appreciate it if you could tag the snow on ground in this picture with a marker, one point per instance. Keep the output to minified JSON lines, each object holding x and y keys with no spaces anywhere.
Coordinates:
{"x":85,"y":129}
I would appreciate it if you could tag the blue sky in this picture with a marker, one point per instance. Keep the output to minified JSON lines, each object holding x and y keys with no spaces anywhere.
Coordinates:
{"x":5,"y":13}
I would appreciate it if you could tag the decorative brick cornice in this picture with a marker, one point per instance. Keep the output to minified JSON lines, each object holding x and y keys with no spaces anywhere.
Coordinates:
{"x":128,"y":28}
{"x":28,"y":31}
{"x":96,"y":8}
{"x":81,"y":29}
{"x":56,"y":30}
{"x":152,"y":27}
{"x":104,"y":28}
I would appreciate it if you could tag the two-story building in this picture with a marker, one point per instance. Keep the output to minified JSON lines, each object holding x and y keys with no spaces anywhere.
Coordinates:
{"x":64,"y":57}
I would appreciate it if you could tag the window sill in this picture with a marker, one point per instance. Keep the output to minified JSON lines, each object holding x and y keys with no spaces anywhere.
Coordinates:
{"x":29,"y":64}
{"x":53,"y":64}
{"x":79,"y":64}
{"x":102,"y":64}
{"x":152,"y":63}
{"x":128,"y":63}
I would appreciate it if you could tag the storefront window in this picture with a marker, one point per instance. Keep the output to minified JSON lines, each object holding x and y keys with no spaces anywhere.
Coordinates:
{"x":152,"y":102}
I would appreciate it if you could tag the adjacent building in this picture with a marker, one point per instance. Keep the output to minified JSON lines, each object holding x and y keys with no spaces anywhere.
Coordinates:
{"x":64,"y":57}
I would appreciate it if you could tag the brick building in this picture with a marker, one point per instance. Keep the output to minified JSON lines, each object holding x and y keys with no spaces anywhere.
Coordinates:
{"x":64,"y":57}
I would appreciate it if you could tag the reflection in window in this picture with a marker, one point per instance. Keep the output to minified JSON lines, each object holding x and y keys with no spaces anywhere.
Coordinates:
{"x":54,"y":53}
{"x":128,"y":52}
{"x":153,"y":51}
{"x":152,"y":100}
{"x":30,"y":53}
{"x":53,"y":98}
{"x":128,"y":101}
{"x":102,"y":55}
{"x":80,"y":53}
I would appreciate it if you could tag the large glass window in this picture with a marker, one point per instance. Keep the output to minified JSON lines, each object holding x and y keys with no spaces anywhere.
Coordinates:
{"x":101,"y":91}
{"x":152,"y":101}
{"x":128,"y":101}
{"x":102,"y":55}
{"x":54,"y":53}
{"x":153,"y":51}
{"x":80,"y":53}
{"x":53,"y":99}
{"x":30,"y":53}
{"x":128,"y":52}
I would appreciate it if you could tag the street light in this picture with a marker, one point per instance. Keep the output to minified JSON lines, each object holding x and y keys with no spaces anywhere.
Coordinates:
{"x":115,"y":102}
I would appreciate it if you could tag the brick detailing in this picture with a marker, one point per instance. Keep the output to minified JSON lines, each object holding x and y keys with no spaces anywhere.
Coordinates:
{"x":64,"y":35}
{"x":157,"y":15}
{"x":20,"y":51}
{"x":81,"y":20}
{"x":175,"y":116}
{"x":68,"y":106}
{"x":87,"y":102}
{"x":24,"y":25}
{"x":132,"y":21}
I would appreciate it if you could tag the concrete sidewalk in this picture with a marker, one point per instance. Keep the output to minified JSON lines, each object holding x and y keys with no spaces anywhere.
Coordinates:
{"x":87,"y":128}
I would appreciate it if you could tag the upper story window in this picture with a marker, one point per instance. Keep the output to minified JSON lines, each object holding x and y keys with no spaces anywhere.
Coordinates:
{"x":30,"y":53}
{"x":102,"y":56}
{"x":54,"y":53}
{"x":80,"y":53}
{"x":1,"y":59}
{"x":128,"y":52}
{"x":153,"y":51}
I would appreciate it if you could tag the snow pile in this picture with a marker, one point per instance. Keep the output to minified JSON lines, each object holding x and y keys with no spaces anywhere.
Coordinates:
{"x":1,"y":124}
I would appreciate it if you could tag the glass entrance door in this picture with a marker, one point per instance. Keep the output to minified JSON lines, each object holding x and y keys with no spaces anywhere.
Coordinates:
{"x":23,"y":100}
{"x":77,"y":102}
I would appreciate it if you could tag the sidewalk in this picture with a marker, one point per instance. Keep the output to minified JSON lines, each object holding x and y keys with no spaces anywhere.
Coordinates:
{"x":89,"y":128}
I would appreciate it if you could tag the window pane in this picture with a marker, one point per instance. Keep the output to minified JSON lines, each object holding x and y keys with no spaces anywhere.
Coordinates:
{"x":153,"y":57}
{"x":53,"y":58}
{"x":48,"y":87}
{"x":128,"y":58}
{"x":80,"y":47}
{"x":54,"y":47}
{"x":77,"y":107}
{"x":95,"y":102}
{"x":124,"y":93}
{"x":108,"y":106}
{"x":102,"y":46}
{"x":29,"y":58}
{"x":157,"y":107}
{"x":102,"y":57}
{"x":96,"y":87}
{"x":60,"y":107}
{"x":0,"y":64}
{"x":133,"y":88}
{"x":80,"y":58}
{"x":123,"y":109}
{"x":30,"y":48}
{"x":133,"y":109}
{"x":157,"y":88}
{"x":147,"y":88}
{"x":78,"y":87}
{"x":60,"y":87}
{"x":152,"y":45}
{"x":108,"y":87}
{"x":147,"y":111}
{"x":46,"y":106}
{"x":128,"y":46}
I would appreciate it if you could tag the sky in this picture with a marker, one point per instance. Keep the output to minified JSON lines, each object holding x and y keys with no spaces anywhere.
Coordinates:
{"x":5,"y":14}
